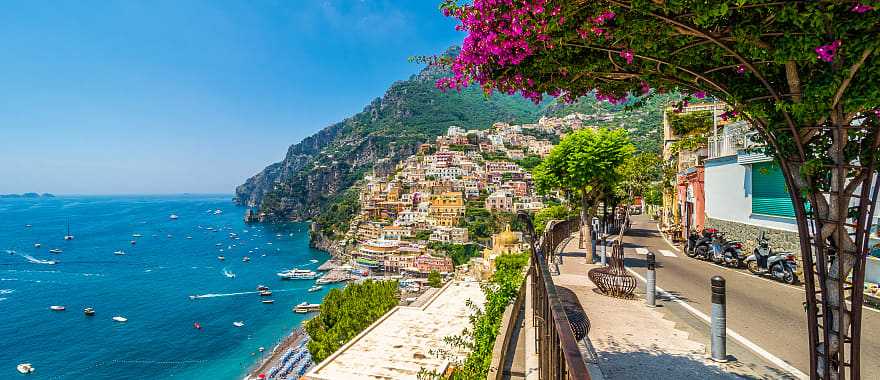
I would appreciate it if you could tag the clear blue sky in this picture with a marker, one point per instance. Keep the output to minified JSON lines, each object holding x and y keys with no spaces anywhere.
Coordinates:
{"x":101,"y":97}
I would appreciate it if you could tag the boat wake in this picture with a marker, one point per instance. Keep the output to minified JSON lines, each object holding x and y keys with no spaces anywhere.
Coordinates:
{"x":6,"y":291}
{"x":38,"y":261}
{"x":228,"y":273}
{"x":215,"y":295}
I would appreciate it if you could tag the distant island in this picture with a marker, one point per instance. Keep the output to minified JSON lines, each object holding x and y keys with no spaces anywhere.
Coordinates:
{"x":27,"y":195}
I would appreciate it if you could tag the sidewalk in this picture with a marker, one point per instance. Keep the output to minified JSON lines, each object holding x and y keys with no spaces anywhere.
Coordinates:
{"x":633,"y":341}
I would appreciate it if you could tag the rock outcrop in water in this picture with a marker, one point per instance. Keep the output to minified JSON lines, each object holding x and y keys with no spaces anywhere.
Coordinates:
{"x":318,"y":169}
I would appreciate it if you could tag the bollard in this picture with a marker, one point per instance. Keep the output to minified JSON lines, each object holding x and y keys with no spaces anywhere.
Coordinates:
{"x":604,"y":255}
{"x":651,"y":282}
{"x":719,"y":320}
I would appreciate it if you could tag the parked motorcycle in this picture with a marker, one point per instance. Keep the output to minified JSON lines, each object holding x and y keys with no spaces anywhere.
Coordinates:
{"x":725,"y":252}
{"x":699,"y":243}
{"x":780,"y":265}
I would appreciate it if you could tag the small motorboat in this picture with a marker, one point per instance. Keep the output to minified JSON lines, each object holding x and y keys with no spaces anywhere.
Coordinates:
{"x":189,"y":237}
{"x":268,"y":301}
{"x":57,"y":308}
{"x":218,"y":211}
{"x":262,"y":287}
{"x":89,"y":311}
{"x":28,"y":225}
{"x":265,"y":293}
{"x":120,"y":319}
{"x":313,"y":261}
{"x":315,"y":288}
{"x":37,"y":245}
{"x":170,"y":236}
{"x":245,"y":259}
{"x":197,"y":326}
{"x":136,"y":235}
{"x":219,"y":244}
{"x":221,"y":258}
{"x":238,"y":323}
{"x":55,"y":250}
{"x":25,"y":368}
{"x":173,"y":217}
{"x":133,"y":242}
{"x":119,"y":253}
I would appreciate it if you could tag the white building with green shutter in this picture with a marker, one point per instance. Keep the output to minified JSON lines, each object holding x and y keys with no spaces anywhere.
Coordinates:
{"x":746,"y":192}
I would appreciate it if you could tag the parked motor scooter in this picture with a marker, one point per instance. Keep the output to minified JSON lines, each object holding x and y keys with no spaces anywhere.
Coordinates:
{"x":780,"y":265}
{"x":699,"y":243}
{"x":730,"y":253}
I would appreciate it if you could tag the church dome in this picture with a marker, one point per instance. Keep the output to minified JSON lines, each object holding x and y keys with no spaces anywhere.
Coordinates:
{"x":507,"y":237}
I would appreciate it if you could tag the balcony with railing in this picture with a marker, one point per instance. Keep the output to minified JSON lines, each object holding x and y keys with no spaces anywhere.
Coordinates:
{"x":733,"y":139}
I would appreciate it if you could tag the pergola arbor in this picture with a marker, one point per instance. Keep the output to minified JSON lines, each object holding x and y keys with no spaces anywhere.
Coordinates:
{"x":803,"y":73}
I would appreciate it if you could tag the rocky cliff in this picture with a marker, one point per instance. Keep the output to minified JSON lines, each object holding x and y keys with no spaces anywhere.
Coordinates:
{"x":319,"y":168}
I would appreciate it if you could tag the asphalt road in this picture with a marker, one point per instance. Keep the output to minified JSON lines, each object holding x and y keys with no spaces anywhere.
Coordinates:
{"x":768,"y":313}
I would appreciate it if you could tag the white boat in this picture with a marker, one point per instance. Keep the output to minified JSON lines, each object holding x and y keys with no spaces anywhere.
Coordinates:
{"x":245,"y":259}
{"x":89,"y":311}
{"x":133,"y":242}
{"x":119,"y":253}
{"x":306,"y":307}
{"x":25,"y":368}
{"x":136,"y":235}
{"x":313,"y":261}
{"x":57,"y":308}
{"x":218,"y":211}
{"x":297,"y":274}
{"x":221,"y":258}
{"x":316,"y":288}
{"x":189,"y":237}
{"x":173,"y":217}
{"x":120,"y":319}
{"x":238,"y":323}
{"x":55,"y":250}
{"x":68,"y":236}
{"x":28,"y":225}
{"x":37,"y":245}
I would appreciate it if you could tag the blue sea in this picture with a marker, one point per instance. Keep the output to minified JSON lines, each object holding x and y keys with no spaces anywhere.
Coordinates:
{"x":150,"y":285}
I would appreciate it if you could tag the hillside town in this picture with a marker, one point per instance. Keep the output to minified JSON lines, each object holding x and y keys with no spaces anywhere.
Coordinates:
{"x":408,"y":217}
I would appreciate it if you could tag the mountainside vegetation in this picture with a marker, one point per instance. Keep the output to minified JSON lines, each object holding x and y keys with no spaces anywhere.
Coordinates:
{"x":313,"y":179}
{"x":321,"y":167}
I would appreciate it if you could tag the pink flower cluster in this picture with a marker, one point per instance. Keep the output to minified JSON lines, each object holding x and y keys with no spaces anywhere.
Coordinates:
{"x":728,"y":115}
{"x":627,"y":55}
{"x":741,"y":69}
{"x":862,"y":8}
{"x":597,"y":23}
{"x":610,"y":98}
{"x":502,"y":33}
{"x":699,"y":94}
{"x":827,"y":52}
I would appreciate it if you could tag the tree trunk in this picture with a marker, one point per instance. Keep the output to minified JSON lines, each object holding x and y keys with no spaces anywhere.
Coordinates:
{"x":838,"y":249}
{"x":587,"y":212}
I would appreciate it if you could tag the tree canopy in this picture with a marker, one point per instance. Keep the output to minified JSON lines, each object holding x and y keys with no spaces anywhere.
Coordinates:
{"x":584,"y":163}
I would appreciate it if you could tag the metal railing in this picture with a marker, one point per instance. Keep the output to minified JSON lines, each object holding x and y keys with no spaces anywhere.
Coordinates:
{"x":559,"y":356}
{"x":731,"y":141}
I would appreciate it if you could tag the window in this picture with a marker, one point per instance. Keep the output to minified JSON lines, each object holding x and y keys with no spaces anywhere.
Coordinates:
{"x":769,"y":193}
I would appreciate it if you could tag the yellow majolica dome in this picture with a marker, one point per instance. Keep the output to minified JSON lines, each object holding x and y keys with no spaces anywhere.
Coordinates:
{"x":507,"y":237}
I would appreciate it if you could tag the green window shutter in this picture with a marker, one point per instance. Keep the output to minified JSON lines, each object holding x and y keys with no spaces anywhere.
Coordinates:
{"x":769,"y":193}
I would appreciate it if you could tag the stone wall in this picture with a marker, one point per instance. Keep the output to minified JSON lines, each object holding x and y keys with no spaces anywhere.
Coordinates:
{"x":780,"y":240}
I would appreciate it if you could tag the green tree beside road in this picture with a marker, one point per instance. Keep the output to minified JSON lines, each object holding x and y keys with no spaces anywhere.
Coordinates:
{"x":584,"y":166}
